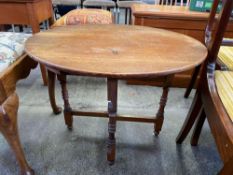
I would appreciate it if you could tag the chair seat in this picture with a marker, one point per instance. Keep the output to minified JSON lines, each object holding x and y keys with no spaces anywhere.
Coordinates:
{"x":11,"y":47}
{"x":225,"y":56}
{"x":66,"y":2}
{"x":99,"y":3}
{"x":85,"y":16}
{"x":224,"y":84}
{"x":128,"y":4}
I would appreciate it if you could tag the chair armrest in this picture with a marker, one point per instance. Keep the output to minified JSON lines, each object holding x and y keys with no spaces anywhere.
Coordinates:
{"x":17,"y":70}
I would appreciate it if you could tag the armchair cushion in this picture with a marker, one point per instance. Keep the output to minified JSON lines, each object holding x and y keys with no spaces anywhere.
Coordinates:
{"x":85,"y":16}
{"x":11,"y":47}
{"x":225,"y":56}
{"x":224,"y":84}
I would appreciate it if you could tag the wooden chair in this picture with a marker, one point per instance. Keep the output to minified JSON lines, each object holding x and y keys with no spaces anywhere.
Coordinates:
{"x":213,"y":98}
{"x":76,"y":17}
{"x":14,"y":65}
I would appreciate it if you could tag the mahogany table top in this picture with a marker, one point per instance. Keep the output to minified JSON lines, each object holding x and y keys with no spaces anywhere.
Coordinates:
{"x":116,"y":51}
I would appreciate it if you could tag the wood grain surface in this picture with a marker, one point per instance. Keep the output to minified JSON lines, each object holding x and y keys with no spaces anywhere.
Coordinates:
{"x":167,"y":11}
{"x":116,"y":50}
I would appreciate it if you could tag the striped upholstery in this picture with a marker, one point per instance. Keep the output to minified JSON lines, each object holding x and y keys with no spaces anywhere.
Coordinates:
{"x":225,"y":56}
{"x":85,"y":16}
{"x":224,"y":84}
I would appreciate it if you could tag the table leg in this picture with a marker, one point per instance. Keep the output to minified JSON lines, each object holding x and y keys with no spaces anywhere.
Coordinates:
{"x":163,"y":100}
{"x":67,"y":109}
{"x":51,"y":90}
{"x":112,"y":110}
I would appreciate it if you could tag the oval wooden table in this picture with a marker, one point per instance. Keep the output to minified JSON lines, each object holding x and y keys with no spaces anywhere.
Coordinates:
{"x":115,"y":52}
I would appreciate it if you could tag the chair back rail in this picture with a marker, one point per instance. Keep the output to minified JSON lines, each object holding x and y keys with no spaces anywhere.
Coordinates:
{"x":175,"y":2}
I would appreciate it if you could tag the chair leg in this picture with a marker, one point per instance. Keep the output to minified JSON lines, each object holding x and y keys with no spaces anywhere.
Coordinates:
{"x":130,"y":16}
{"x":192,"y":81}
{"x":51,"y":90}
{"x":118,"y":12}
{"x":198,"y":127}
{"x":126,"y":15}
{"x":227,"y":168}
{"x":9,"y":129}
{"x":44,"y":75}
{"x":190,"y":119}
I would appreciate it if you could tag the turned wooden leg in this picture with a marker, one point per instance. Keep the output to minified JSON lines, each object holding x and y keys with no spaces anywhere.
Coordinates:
{"x":160,"y":114}
{"x":163,"y":100}
{"x":51,"y":90}
{"x":67,"y":109}
{"x":197,"y":128}
{"x":112,"y":110}
{"x":44,"y":75}
{"x":190,"y":119}
{"x":192,"y":81}
{"x":9,"y":129}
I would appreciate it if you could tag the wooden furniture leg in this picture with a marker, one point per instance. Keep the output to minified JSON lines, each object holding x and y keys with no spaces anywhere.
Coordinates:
{"x":126,"y":15}
{"x":130,"y":16}
{"x":44,"y":75}
{"x":35,"y":24}
{"x":67,"y":109}
{"x":197,"y":129}
{"x":192,"y":81}
{"x":227,"y":168}
{"x":112,"y":112}
{"x":195,"y":109}
{"x":51,"y":90}
{"x":163,"y":100}
{"x":9,"y":129}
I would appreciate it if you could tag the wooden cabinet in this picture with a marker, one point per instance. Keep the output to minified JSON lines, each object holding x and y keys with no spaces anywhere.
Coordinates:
{"x":26,"y":12}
